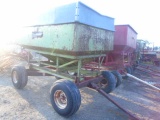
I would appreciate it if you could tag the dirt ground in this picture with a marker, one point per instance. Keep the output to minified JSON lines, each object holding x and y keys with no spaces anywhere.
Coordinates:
{"x":33,"y":102}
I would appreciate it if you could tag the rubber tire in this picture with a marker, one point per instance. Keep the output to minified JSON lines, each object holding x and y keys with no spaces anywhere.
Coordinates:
{"x":134,"y":67}
{"x":128,"y":70}
{"x":137,"y":63}
{"x":73,"y":97}
{"x":110,"y":79}
{"x":118,"y":77}
{"x":22,"y":77}
{"x":132,"y":70}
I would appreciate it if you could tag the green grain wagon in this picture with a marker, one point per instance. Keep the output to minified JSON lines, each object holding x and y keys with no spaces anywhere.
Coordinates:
{"x":69,"y":37}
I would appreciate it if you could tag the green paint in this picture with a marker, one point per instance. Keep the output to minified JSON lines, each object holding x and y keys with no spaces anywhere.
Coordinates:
{"x":73,"y":38}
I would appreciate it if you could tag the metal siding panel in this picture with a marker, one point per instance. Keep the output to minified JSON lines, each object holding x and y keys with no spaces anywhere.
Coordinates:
{"x":93,"y":39}
{"x":125,"y":38}
{"x":54,"y":37}
{"x":63,"y":14}
{"x":75,"y":12}
{"x":90,"y":17}
{"x":120,"y":35}
{"x":73,"y":38}
{"x":131,"y":38}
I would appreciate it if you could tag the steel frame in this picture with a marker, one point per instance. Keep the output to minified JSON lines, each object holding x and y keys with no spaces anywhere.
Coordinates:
{"x":83,"y":75}
{"x":94,"y":68}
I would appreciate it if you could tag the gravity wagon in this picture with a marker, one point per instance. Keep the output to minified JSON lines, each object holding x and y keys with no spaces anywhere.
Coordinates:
{"x":64,"y":40}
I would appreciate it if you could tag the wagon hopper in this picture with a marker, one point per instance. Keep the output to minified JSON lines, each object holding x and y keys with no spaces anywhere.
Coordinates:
{"x":123,"y":55}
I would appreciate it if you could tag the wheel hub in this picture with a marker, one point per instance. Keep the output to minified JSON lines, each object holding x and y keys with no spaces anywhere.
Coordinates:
{"x":60,"y":99}
{"x":104,"y":83}
{"x":15,"y":77}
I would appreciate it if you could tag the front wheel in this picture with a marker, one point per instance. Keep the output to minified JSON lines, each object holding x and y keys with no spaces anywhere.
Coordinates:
{"x":128,"y":70}
{"x":65,"y":97}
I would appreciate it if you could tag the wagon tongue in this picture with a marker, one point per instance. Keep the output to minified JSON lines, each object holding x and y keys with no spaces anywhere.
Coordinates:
{"x":111,"y":100}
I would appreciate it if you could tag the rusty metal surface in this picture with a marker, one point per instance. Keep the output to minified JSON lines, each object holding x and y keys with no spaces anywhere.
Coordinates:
{"x":93,"y":39}
{"x":133,"y":117}
{"x":69,"y":39}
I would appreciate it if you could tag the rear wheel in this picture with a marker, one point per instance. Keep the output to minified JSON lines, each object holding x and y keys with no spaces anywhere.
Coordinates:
{"x":131,"y":68}
{"x":128,"y":70}
{"x":118,"y":77}
{"x":19,"y":77}
{"x":134,"y":67}
{"x":65,"y":97}
{"x":108,"y":84}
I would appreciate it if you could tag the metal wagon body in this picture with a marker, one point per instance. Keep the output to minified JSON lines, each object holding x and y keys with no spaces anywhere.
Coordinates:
{"x":123,"y":55}
{"x":68,"y":37}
